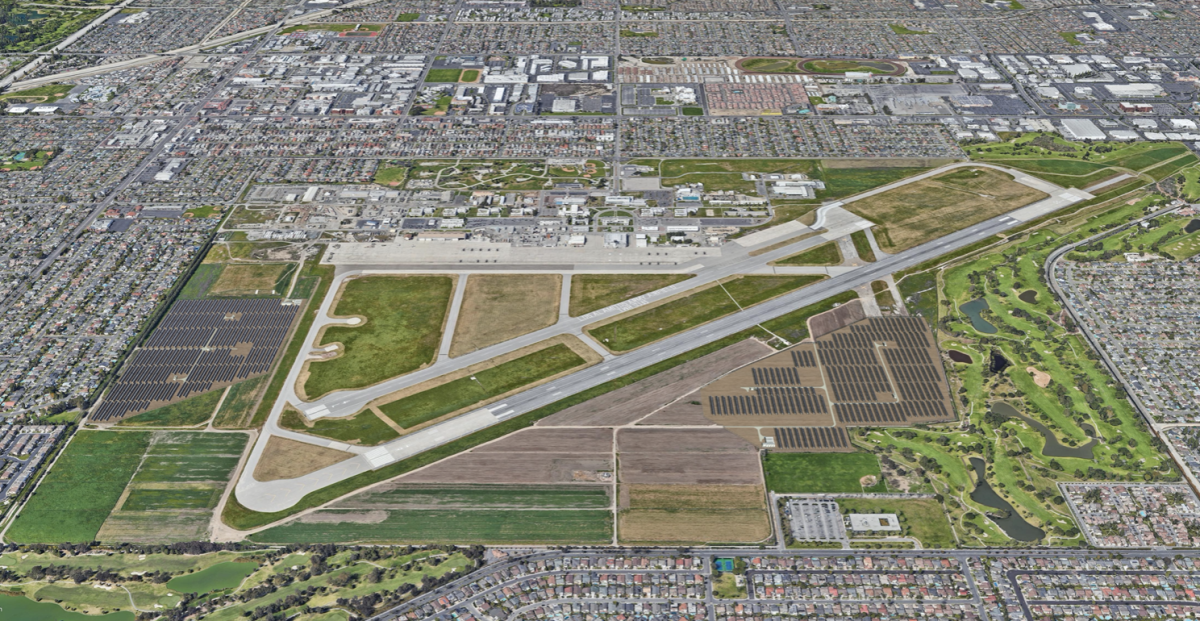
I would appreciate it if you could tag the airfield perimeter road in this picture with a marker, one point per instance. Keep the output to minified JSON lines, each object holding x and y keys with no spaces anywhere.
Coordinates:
{"x":279,"y":495}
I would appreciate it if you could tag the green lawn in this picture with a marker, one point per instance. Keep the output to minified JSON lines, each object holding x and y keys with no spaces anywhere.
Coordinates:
{"x":465,"y":392}
{"x":690,"y":311}
{"x":692,"y":111}
{"x":443,"y":75}
{"x":187,"y":413}
{"x":901,"y":29}
{"x":923,"y":519}
{"x":81,"y":489}
{"x":363,"y":428}
{"x":407,"y":17}
{"x":862,"y":246}
{"x":590,"y":292}
{"x":825,"y":254}
{"x":817,"y":473}
{"x":549,"y":527}
{"x":403,"y":327}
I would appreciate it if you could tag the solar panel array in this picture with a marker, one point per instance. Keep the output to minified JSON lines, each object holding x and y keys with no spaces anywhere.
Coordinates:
{"x":198,"y":345}
{"x":811,"y":438}
{"x":768,"y":401}
{"x":776,"y":376}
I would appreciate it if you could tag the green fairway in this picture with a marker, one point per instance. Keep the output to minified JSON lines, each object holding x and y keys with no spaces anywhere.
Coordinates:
{"x":402,"y":328}
{"x":591,"y":292}
{"x":692,"y":310}
{"x":468,"y":391}
{"x":26,"y":609}
{"x":187,"y":413}
{"x":819,"y":473}
{"x":81,"y":489}
{"x":547,"y":527}
{"x":923,"y":519}
{"x":825,"y":254}
{"x":216,"y":578}
{"x":364,"y":428}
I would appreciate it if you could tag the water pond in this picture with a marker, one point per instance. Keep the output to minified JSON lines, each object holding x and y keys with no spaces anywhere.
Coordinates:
{"x":1028,"y":296}
{"x":1053,"y":447}
{"x":25,"y":609}
{"x":1012,"y":523}
{"x":972,"y":310}
{"x":959,"y":356}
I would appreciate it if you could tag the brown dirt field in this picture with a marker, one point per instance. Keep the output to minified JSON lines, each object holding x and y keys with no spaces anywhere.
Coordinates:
{"x":1041,"y":378}
{"x":628,"y":404}
{"x":652,"y":526}
{"x":690,"y":468}
{"x":692,"y":497}
{"x":248,"y":277}
{"x":284,"y":458}
{"x":499,"y":307}
{"x":835,"y":319}
{"x":682,"y":412}
{"x":363,"y":517}
{"x":509,"y":468}
{"x":545,"y":440}
{"x":930,"y":208}
{"x":661,"y":441}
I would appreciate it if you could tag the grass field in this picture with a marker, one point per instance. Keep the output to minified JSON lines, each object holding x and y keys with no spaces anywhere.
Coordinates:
{"x":469,"y":391}
{"x":1074,"y":164}
{"x":187,"y":413}
{"x":185,"y":456}
{"x":499,"y":307}
{"x":923,"y":519}
{"x":591,"y":292}
{"x":238,"y":407}
{"x":202,"y":280}
{"x":825,"y":254}
{"x":81,"y":489}
{"x":155,"y":499}
{"x":928,"y":209}
{"x":821,"y":473}
{"x":364,"y":428}
{"x":443,"y":75}
{"x":689,"y":311}
{"x":551,"y":526}
{"x":862,"y":246}
{"x":243,"y":278}
{"x":401,"y":331}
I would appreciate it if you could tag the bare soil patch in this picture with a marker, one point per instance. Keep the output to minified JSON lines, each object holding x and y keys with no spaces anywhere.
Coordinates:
{"x":680,"y":497}
{"x":661,"y":441}
{"x":690,"y":468}
{"x":499,"y":307}
{"x":242,"y":277}
{"x":658,"y":526}
{"x":1041,"y":378}
{"x":351,"y":517}
{"x":284,"y":458}
{"x":551,"y":440}
{"x":687,"y":410}
{"x":628,"y":404}
{"x":510,"y":468}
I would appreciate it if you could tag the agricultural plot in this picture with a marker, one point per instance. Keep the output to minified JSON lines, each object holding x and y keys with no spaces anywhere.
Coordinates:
{"x":688,"y":311}
{"x":81,"y":488}
{"x":918,"y":212}
{"x":402,"y":327}
{"x":499,"y":307}
{"x":591,"y":292}
{"x":460,"y":514}
{"x":172,"y":495}
{"x":670,"y":514}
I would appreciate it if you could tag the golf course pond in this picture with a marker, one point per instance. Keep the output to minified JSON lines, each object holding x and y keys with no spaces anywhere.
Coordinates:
{"x":1005,"y":516}
{"x":216,"y":578}
{"x":16,"y":607}
{"x":1053,"y":447}
{"x":972,"y":310}
{"x":1028,"y":296}
{"x":959,"y":356}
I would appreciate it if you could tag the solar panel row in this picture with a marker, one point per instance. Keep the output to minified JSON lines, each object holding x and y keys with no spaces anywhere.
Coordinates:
{"x":199,"y":344}
{"x":776,"y":376}
{"x":789,"y":400}
{"x":804,"y":358}
{"x":811,"y":438}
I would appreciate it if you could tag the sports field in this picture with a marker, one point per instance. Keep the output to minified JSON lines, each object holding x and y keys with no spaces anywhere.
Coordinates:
{"x":918,"y":212}
{"x":689,"y":311}
{"x":81,"y":488}
{"x":402,"y":328}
